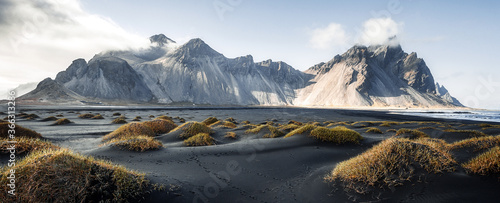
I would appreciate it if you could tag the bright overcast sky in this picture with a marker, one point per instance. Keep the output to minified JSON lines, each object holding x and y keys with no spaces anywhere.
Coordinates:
{"x":457,"y":39}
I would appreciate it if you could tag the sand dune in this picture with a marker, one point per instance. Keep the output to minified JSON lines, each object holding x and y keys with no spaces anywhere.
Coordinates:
{"x":250,"y":168}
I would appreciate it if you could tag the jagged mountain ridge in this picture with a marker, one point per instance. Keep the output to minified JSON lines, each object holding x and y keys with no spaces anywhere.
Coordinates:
{"x":195,"y":73}
{"x":382,"y":75}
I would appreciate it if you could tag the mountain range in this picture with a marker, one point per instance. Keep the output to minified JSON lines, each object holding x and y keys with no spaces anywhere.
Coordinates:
{"x":194,"y":73}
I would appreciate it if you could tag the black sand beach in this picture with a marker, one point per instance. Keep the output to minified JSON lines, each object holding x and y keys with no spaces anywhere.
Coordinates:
{"x":250,"y":168}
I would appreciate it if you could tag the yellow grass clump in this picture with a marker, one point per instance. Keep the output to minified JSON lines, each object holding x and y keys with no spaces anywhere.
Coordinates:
{"x":129,"y":130}
{"x":117,"y":114}
{"x":50,"y":118}
{"x":229,"y":124}
{"x":192,"y":128}
{"x":164,"y":117}
{"x":388,"y":123}
{"x":86,"y":115}
{"x":98,"y":116}
{"x":231,"y":135}
{"x":289,"y":127}
{"x":303,"y":129}
{"x":295,"y":123}
{"x":339,"y":135}
{"x":392,"y":162}
{"x":119,"y":120}
{"x":24,"y":144}
{"x":160,"y":126}
{"x":209,"y":121}
{"x":477,"y":143}
{"x":19,"y":131}
{"x":273,"y":131}
{"x":200,"y":139}
{"x":487,"y":163}
{"x":62,"y":121}
{"x":138,"y":143}
{"x":374,"y":130}
{"x":472,"y":133}
{"x":412,"y":134}
{"x":60,"y":175}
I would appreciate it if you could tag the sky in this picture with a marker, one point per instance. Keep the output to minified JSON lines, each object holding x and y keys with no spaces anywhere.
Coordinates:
{"x":457,"y":39}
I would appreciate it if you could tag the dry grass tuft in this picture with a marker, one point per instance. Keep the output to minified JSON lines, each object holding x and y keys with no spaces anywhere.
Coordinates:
{"x":392,"y":162}
{"x":295,"y":123}
{"x":472,"y":133}
{"x":231,"y":135}
{"x":273,"y":131}
{"x":86,"y":115}
{"x":426,"y":128}
{"x":24,"y":144}
{"x":374,"y":130}
{"x":477,"y":143}
{"x":50,"y":118}
{"x":164,"y":117}
{"x":303,"y":129}
{"x":333,"y":123}
{"x":200,"y":139}
{"x":412,"y":134}
{"x":98,"y":116}
{"x":388,"y":123}
{"x":231,"y":119}
{"x":289,"y":127}
{"x":117,"y":114}
{"x":192,"y":128}
{"x":119,"y":120}
{"x":64,"y":176}
{"x":338,"y":135}
{"x":28,"y":116}
{"x":138,"y":143}
{"x":210,"y":121}
{"x":129,"y":130}
{"x":62,"y":121}
{"x":487,"y":163}
{"x":160,"y":126}
{"x":229,"y":124}
{"x":20,"y":131}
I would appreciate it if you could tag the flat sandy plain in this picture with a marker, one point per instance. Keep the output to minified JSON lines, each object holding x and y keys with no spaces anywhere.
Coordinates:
{"x":251,"y":168}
